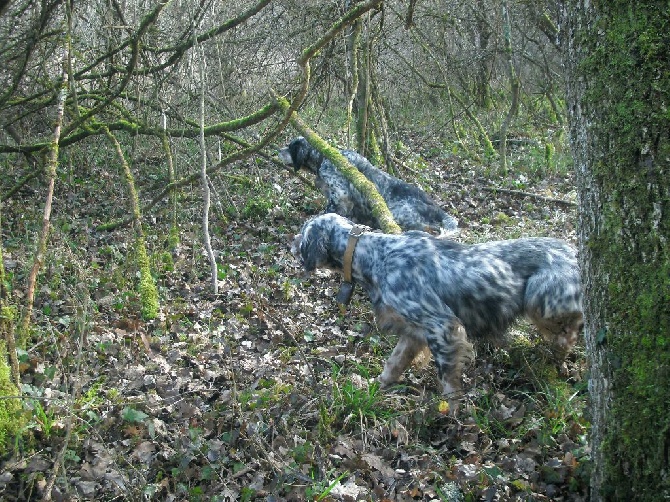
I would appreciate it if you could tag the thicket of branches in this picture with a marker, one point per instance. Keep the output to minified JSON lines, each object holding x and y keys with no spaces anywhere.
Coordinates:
{"x":107,"y":88}
{"x":131,"y":71}
{"x":133,"y":68}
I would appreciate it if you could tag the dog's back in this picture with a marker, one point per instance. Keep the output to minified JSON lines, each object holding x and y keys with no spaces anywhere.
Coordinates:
{"x":486,"y":285}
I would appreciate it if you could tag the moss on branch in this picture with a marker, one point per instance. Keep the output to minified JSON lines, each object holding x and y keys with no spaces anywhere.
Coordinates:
{"x":379,"y":208}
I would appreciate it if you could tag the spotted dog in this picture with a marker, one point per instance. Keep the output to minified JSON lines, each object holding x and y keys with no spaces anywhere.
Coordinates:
{"x":437,"y":292}
{"x":411,"y":208}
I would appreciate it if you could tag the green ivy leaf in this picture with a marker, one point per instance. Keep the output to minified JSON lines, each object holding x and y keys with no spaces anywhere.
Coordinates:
{"x":133,"y":415}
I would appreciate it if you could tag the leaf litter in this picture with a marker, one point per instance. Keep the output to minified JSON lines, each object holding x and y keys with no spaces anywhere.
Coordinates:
{"x":267,"y":391}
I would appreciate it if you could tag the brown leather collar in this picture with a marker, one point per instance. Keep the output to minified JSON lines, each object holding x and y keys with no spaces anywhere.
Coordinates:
{"x":355,"y":232}
{"x":347,"y":286}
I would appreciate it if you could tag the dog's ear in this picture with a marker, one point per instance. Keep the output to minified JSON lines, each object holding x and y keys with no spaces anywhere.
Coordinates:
{"x":310,"y":252}
{"x":313,"y":248}
{"x":298,"y":152}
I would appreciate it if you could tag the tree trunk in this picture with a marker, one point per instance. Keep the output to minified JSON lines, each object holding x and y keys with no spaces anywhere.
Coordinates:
{"x":147,"y":287}
{"x":204,"y":179}
{"x":485,"y":61}
{"x":514,"y":85}
{"x":51,"y":171}
{"x":618,"y":76}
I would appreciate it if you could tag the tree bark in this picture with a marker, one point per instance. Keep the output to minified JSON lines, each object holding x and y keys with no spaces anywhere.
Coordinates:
{"x":483,"y":75}
{"x":147,"y":287}
{"x":618,"y":93}
{"x":514,"y":85}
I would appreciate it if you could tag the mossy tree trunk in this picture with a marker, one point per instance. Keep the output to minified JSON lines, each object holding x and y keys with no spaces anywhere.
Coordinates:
{"x":364,"y":101}
{"x":618,"y":101}
{"x":482,"y":90}
{"x":147,"y":286}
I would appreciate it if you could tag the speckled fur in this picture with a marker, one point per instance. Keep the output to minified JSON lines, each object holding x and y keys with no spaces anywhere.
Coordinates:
{"x":437,"y":292}
{"x":411,"y":208}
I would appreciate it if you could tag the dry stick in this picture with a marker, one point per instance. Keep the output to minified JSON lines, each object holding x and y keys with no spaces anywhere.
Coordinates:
{"x":174,"y":229}
{"x":203,"y":177}
{"x":52,"y":163}
{"x":76,"y":392}
{"x":529,"y":194}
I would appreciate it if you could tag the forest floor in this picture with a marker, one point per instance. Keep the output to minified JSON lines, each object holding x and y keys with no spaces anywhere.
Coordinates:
{"x":267,"y":391}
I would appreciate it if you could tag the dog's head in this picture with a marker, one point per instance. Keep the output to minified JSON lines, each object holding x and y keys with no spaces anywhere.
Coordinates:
{"x":299,"y":153}
{"x":321,"y":242}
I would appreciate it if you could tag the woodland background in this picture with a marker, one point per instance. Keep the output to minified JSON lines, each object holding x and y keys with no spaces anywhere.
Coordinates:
{"x":167,"y":346}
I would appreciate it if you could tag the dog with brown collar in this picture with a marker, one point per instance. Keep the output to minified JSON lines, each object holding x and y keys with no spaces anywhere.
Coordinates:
{"x":438,"y":293}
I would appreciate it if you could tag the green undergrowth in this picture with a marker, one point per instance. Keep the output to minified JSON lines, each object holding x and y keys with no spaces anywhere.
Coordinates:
{"x":12,"y":416}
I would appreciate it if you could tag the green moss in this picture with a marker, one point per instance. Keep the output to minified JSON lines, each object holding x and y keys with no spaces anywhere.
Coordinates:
{"x":628,"y":72}
{"x":147,"y":286}
{"x":9,"y":313}
{"x":12,"y":419}
{"x":375,"y":152}
{"x":173,"y":239}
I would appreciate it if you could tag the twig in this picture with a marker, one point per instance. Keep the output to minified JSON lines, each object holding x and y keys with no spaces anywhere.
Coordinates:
{"x":206,"y":196}
{"x":74,"y":395}
{"x":532,"y":195}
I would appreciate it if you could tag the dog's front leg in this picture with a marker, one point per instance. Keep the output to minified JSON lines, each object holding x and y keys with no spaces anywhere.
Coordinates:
{"x":452,"y":352}
{"x":405,"y":351}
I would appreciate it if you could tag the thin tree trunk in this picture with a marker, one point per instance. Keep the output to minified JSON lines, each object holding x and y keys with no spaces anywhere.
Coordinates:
{"x":363,"y":99}
{"x":207,"y":241}
{"x":40,"y":251}
{"x":483,"y":75}
{"x":514,"y":85}
{"x":353,"y":42}
{"x":174,"y":228}
{"x":147,"y":287}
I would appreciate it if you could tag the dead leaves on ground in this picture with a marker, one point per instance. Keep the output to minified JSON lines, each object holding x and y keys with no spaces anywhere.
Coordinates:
{"x":267,"y":392}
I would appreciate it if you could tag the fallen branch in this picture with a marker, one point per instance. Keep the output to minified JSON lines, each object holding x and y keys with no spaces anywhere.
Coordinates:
{"x":531,"y":195}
